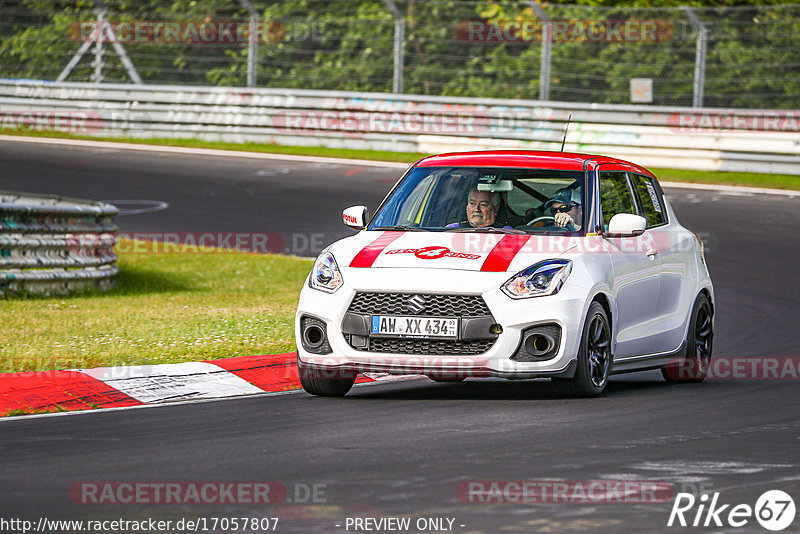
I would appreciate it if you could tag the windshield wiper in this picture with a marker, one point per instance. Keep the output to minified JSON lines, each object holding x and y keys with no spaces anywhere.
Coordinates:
{"x":400,"y":228}
{"x":490,"y":229}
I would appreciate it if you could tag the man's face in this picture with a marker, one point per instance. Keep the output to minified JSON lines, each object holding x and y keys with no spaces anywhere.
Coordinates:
{"x":480,"y":210}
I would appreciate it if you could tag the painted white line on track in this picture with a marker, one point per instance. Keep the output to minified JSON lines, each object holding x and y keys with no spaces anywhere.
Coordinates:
{"x":321,"y":159}
{"x":172,"y":381}
{"x":382,"y":380}
{"x":140,"y":406}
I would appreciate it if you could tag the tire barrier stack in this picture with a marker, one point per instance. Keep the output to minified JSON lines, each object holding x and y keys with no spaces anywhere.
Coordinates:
{"x":55,"y":245}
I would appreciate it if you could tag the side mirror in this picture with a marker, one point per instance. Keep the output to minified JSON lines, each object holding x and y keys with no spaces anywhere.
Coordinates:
{"x":625,"y":225}
{"x":355,"y":217}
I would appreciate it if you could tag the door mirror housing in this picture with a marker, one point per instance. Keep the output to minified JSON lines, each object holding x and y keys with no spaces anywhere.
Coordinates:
{"x":626,"y":225}
{"x":355,"y":217}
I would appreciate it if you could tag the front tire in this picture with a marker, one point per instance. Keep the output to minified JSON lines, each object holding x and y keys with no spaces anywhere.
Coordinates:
{"x":693,"y":368}
{"x":594,"y":357}
{"x":334,"y":383}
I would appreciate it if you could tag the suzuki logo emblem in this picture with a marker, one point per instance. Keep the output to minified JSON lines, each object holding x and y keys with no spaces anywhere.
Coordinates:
{"x":416,"y":304}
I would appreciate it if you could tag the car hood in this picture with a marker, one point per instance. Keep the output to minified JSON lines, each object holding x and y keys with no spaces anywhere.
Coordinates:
{"x":488,"y":252}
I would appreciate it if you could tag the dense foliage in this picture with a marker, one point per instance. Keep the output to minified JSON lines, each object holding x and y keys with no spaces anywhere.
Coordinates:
{"x":752,"y":51}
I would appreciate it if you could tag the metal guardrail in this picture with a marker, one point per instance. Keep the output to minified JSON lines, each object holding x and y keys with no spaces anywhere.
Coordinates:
{"x":54,"y":245}
{"x":690,"y":138}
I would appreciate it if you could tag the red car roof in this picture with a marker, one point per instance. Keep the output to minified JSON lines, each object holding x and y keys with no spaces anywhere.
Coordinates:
{"x":568,"y":161}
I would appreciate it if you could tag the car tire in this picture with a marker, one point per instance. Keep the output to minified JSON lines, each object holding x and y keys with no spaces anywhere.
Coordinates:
{"x":322,"y":384}
{"x":693,"y":367}
{"x":594,"y":357}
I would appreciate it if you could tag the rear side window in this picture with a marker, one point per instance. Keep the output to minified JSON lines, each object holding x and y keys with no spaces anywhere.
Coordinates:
{"x":649,"y":200}
{"x":615,"y":197}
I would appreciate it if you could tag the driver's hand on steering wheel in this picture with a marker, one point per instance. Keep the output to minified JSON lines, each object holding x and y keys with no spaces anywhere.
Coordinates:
{"x":563,"y":219}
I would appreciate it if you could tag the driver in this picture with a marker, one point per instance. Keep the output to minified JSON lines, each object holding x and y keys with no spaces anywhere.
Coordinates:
{"x":481,"y":210}
{"x":566,"y":209}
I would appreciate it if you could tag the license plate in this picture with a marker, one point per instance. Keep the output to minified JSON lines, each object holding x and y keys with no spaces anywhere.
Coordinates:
{"x":401,"y":326}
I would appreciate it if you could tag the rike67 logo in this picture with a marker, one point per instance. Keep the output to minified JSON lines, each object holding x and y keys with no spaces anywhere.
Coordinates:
{"x":774,"y":510}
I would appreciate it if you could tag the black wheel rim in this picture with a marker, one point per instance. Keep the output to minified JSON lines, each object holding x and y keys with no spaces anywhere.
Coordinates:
{"x":703,"y":337}
{"x":598,"y":349}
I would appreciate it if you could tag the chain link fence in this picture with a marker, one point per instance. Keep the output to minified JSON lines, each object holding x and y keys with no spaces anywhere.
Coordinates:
{"x":742,"y":57}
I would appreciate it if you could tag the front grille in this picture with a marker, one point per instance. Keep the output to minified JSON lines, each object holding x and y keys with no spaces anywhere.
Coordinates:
{"x":435,"y":305}
{"x":464,"y":306}
{"x":428,"y":346}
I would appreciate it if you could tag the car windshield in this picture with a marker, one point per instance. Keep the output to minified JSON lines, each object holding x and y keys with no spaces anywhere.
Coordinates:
{"x":485,"y":199}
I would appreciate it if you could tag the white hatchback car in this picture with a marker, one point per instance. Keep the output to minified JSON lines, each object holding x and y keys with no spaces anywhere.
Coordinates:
{"x":511,"y":264}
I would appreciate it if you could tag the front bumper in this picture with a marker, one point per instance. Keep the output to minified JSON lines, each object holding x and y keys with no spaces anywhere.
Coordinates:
{"x":565,"y":309}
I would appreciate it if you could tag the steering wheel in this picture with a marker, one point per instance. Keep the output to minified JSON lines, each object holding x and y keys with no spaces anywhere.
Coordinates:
{"x":536,"y":222}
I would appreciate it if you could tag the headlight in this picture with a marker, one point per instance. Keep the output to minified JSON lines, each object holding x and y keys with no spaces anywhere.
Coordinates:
{"x":538,"y":280}
{"x":325,"y":275}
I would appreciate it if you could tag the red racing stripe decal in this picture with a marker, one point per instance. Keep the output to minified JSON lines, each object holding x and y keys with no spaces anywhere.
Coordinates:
{"x":366,"y":257}
{"x":503,"y":252}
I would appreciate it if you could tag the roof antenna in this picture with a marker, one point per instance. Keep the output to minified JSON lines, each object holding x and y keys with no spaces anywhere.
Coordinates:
{"x":565,"y":132}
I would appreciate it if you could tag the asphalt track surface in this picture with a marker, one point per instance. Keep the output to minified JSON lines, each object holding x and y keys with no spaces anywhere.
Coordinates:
{"x":403,"y":448}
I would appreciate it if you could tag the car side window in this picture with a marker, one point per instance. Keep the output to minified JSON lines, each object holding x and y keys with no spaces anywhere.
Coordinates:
{"x":649,"y":200}
{"x":615,"y":197}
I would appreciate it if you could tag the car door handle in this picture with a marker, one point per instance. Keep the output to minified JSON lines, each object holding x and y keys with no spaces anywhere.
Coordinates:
{"x":652,"y":252}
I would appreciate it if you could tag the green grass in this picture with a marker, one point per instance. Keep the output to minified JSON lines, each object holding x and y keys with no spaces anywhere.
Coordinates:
{"x":22,"y":411}
{"x":381,"y":155}
{"x":772,"y":181}
{"x":775,"y":181}
{"x":198,"y":304}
